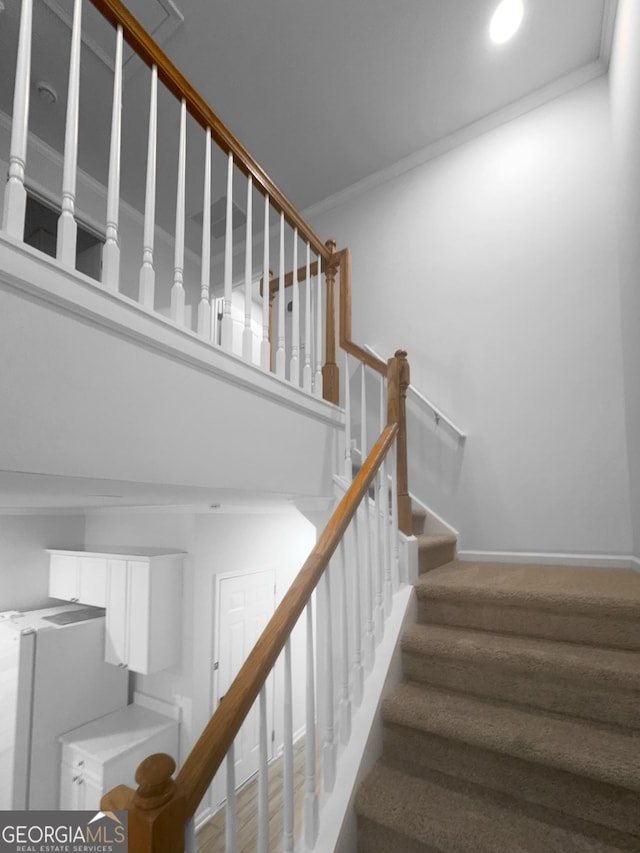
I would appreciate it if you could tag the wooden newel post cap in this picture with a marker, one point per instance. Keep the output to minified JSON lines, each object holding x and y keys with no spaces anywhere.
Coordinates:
{"x":405,"y":378}
{"x":155,"y":783}
{"x":331,"y":245}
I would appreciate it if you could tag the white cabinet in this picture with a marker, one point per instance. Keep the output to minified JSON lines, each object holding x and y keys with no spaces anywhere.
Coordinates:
{"x":106,"y":752}
{"x":142,"y":593}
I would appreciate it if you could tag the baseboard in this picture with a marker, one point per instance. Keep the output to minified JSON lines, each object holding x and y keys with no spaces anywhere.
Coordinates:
{"x":592,"y":561}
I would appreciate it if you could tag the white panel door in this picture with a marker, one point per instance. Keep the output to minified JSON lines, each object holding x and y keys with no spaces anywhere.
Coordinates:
{"x":246,"y":602}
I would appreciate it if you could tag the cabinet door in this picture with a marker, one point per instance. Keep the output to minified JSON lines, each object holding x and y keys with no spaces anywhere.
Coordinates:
{"x":70,"y":789}
{"x":93,"y":581}
{"x":139,"y":588}
{"x":117,"y":629}
{"x":63,"y":577}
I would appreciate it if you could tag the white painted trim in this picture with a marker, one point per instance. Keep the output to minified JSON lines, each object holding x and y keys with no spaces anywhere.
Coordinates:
{"x":238,"y":508}
{"x":525,"y":558}
{"x":460,"y":137}
{"x":635,"y":564}
{"x":28,"y":271}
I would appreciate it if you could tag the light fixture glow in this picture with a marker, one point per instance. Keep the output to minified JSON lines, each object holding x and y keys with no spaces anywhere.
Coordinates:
{"x":506,"y":20}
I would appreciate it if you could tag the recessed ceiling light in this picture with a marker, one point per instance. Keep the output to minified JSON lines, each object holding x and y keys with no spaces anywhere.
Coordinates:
{"x":506,"y":20}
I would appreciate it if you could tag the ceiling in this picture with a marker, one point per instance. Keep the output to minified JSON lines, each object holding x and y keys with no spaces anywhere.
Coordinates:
{"x":323,"y":94}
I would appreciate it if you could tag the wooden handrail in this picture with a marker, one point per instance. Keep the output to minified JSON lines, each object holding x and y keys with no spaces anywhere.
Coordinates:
{"x":151,"y":54}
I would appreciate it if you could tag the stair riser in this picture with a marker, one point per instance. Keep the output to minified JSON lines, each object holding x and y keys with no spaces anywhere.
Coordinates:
{"x":566,"y":627}
{"x":419,"y":753}
{"x":536,"y":687}
{"x":430,"y":558}
{"x":375,"y":838}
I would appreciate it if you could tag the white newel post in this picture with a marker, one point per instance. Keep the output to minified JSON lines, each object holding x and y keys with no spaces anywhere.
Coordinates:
{"x":111,"y":248}
{"x":265,"y":347}
{"x":147,"y":273}
{"x":310,"y":796}
{"x":247,"y":336}
{"x":317,"y":380}
{"x":67,"y":228}
{"x":369,"y":638}
{"x":287,"y":760}
{"x":294,"y":367}
{"x":226,"y":338}
{"x":307,"y":378}
{"x":177,"y":291}
{"x":230,"y":808}
{"x":15,"y":195}
{"x":262,"y":845}
{"x":204,"y":306}
{"x":280,"y":351}
{"x":345,"y":698}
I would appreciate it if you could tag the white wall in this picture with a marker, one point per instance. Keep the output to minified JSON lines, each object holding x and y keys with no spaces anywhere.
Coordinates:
{"x":495,"y":266}
{"x":24,"y":563}
{"x":625,"y":110}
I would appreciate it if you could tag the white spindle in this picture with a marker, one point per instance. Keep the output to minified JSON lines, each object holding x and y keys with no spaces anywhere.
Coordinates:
{"x":265,"y":347}
{"x":204,"y":306}
{"x":369,"y":639}
{"x":329,"y":745}
{"x":358,"y":673}
{"x":15,"y":195}
{"x":287,"y":760}
{"x":247,"y":335}
{"x":310,"y":796}
{"x":177,"y":291}
{"x":262,"y":845}
{"x":306,"y":370}
{"x":230,"y":808}
{"x":111,"y":248}
{"x":384,"y":497}
{"x":294,"y":367}
{"x":317,"y":380}
{"x":227,"y":321}
{"x":379,"y":535}
{"x":67,"y":228}
{"x":395,"y":548}
{"x":190,"y":841}
{"x":345,"y":698}
{"x":147,"y":273}
{"x":348,"y":468}
{"x":280,"y":351}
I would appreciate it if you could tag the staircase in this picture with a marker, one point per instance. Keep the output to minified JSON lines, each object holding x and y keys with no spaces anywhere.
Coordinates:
{"x":517,"y":727}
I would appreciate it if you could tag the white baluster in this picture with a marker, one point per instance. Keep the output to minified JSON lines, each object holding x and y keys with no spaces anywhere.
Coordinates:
{"x":358,"y":673}
{"x":15,"y":195}
{"x":280,"y":351}
{"x":190,"y":842}
{"x":307,"y":378}
{"x":147,"y":273}
{"x":348,"y":467}
{"x":204,"y":306}
{"x":111,"y":248}
{"x":379,"y":539}
{"x":384,"y":498}
{"x":287,"y":760}
{"x":317,"y":380}
{"x":369,"y":639}
{"x":67,"y":228}
{"x":227,"y":322}
{"x":247,"y":336}
{"x":177,"y":291}
{"x":310,"y":796}
{"x":329,"y":746}
{"x":395,"y":544}
{"x":230,"y":808}
{"x":294,"y":367}
{"x":345,"y":698}
{"x":265,"y":347}
{"x":263,"y":778}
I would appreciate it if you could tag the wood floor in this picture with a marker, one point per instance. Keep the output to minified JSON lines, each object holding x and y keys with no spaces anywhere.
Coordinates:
{"x":211,"y":835}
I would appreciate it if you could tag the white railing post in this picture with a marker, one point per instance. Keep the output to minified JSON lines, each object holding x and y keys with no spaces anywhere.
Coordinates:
{"x":384,"y":498}
{"x":262,"y":845}
{"x":294,"y":365}
{"x":247,"y":335}
{"x":111,"y":248}
{"x":369,"y":637}
{"x":227,"y":321}
{"x":379,"y":537}
{"x":15,"y":195}
{"x":204,"y":306}
{"x":395,"y":546}
{"x":230,"y":808}
{"x":177,"y":291}
{"x":358,"y":672}
{"x":317,"y":381}
{"x":329,"y":745}
{"x":287,"y":760}
{"x":307,"y":378}
{"x":265,"y":347}
{"x":348,"y":467}
{"x":147,"y":273}
{"x":67,"y":227}
{"x":280,"y":351}
{"x":310,"y":796}
{"x":345,"y":698}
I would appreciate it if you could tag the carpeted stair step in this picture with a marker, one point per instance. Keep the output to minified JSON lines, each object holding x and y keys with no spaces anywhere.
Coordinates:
{"x":592,"y":683}
{"x":586,"y":769}
{"x":435,"y":551}
{"x":418,"y":519}
{"x":588,"y":606}
{"x":400,"y":812}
